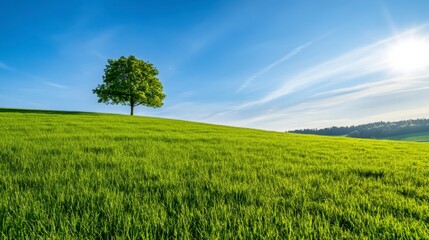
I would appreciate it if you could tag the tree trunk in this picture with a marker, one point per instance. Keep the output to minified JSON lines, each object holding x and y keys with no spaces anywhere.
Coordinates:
{"x":132,"y":105}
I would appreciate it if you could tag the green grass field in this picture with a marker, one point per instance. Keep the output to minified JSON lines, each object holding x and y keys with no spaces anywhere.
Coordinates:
{"x":414,"y":137}
{"x":81,"y":175}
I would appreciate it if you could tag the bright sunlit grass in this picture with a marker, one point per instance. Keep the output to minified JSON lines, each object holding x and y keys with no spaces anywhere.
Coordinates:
{"x":409,"y":55}
{"x":96,"y":176}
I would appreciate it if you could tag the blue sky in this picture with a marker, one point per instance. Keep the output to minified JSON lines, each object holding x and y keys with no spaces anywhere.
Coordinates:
{"x":275,"y":65}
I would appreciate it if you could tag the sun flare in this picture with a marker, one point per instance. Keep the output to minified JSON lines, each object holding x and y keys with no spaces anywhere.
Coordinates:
{"x":409,"y":55}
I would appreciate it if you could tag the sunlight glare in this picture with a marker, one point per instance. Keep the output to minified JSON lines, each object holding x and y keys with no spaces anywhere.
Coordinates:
{"x":409,"y":55}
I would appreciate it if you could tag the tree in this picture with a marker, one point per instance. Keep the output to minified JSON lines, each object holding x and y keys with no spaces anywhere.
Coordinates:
{"x":132,"y":82}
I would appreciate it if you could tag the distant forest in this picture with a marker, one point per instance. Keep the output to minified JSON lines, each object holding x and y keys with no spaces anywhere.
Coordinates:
{"x":373,"y":130}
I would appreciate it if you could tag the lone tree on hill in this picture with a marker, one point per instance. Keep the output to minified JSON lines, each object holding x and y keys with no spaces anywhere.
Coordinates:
{"x":132,"y":82}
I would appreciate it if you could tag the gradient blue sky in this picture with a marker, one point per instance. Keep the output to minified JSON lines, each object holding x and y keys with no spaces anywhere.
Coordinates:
{"x":276,"y":65}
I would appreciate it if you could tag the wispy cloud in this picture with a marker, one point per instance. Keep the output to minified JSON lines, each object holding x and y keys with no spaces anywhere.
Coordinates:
{"x":279,"y":61}
{"x":348,"y":67}
{"x":330,"y":88}
{"x":55,"y":85}
{"x":93,"y":44}
{"x":403,"y":114}
{"x":209,"y":31}
{"x":319,"y":104}
{"x":274,"y":64}
{"x":389,"y":19}
{"x":28,"y":75}
{"x":382,"y":86}
{"x":6,"y":67}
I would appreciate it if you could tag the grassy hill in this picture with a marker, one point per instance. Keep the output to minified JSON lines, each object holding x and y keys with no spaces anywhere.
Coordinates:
{"x":82,"y":175}
{"x":415,"y":137}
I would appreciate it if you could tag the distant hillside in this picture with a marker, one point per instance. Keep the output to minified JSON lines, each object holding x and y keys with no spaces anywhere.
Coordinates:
{"x":373,"y":130}
{"x":414,"y":137}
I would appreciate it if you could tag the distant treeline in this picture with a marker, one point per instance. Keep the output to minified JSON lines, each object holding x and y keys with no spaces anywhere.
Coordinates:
{"x":373,"y":130}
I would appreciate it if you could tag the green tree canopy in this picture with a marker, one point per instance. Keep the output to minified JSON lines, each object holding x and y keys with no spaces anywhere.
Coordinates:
{"x":132,"y":82}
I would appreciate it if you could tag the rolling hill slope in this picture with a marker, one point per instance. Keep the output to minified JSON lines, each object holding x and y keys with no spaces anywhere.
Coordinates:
{"x":84,"y":175}
{"x":415,"y":137}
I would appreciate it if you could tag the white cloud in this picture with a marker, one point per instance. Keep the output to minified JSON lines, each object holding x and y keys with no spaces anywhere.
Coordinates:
{"x":329,"y":101}
{"x":272,"y":65}
{"x":56,"y":85}
{"x":348,"y":67}
{"x":279,"y":61}
{"x":333,"y":88}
